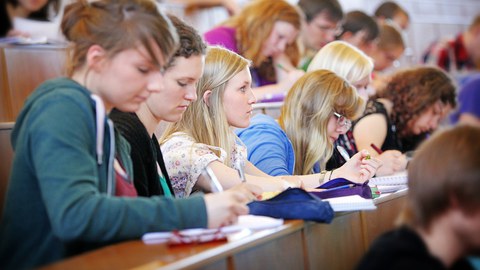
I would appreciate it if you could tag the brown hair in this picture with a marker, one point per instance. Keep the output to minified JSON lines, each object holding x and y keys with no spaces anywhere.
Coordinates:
{"x":255,"y":23}
{"x":306,"y":111}
{"x":389,"y":38}
{"x":412,"y":91}
{"x":444,"y":170}
{"x":356,"y":21}
{"x":311,"y":8}
{"x":191,"y":43}
{"x":389,"y":9}
{"x":116,"y":25}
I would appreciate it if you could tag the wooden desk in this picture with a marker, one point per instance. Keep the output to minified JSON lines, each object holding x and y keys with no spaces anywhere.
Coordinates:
{"x":6,"y":158}
{"x":22,"y":69}
{"x":295,"y":245}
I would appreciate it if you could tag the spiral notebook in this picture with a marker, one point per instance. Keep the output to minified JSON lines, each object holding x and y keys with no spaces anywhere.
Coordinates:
{"x":399,"y":178}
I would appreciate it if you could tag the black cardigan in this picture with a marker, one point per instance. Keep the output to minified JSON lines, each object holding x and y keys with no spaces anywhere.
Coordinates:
{"x":145,"y":153}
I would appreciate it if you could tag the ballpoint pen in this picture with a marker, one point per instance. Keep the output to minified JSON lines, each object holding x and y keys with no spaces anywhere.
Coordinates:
{"x":214,"y":184}
{"x":343,"y":152}
{"x":378,"y":150}
{"x":239,"y":167}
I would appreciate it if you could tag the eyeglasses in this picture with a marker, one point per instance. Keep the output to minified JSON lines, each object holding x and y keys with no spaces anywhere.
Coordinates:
{"x":335,"y":30}
{"x":342,"y":121}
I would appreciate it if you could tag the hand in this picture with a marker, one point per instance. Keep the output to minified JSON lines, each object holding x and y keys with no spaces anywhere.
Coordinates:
{"x":393,"y":161}
{"x":224,"y":208}
{"x":232,"y":7}
{"x":17,"y":33}
{"x":358,"y":169}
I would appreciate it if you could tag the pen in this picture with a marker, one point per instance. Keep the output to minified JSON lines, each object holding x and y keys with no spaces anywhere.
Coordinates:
{"x":340,"y":187}
{"x":282,"y":67}
{"x":241,"y":173}
{"x":343,"y":152}
{"x":214,"y":184}
{"x":378,"y":150}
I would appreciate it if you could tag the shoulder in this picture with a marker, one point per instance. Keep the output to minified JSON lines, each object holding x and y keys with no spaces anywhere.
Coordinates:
{"x":222,"y":35}
{"x":399,"y":249}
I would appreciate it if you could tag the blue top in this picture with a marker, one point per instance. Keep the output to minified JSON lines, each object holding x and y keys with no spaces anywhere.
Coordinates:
{"x":268,"y":146}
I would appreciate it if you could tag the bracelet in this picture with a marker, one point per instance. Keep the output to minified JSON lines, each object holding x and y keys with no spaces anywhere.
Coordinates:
{"x":330,"y":177}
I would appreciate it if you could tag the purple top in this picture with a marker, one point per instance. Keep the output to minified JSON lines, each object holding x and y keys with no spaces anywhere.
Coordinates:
{"x":469,"y":98}
{"x":225,"y":37}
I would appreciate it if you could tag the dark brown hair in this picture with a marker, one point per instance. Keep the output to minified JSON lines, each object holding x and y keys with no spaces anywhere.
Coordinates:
{"x":331,"y":8}
{"x":191,"y":43}
{"x":356,"y":21}
{"x":444,"y":171}
{"x":116,"y":25}
{"x":412,"y":91}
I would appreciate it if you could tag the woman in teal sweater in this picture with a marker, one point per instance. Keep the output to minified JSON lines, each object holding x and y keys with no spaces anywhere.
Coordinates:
{"x":68,"y":184}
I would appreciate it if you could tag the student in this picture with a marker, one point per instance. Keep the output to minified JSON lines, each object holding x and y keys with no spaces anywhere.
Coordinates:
{"x":316,"y":111}
{"x":62,"y":197}
{"x":264,"y":31}
{"x":441,"y":220}
{"x":414,"y":102}
{"x":355,"y":67}
{"x":204,"y":136}
{"x":35,"y":10}
{"x":360,"y":30}
{"x":322,"y":24}
{"x":461,"y":54}
{"x":182,"y":73}
{"x":390,"y":11}
{"x":389,"y":49}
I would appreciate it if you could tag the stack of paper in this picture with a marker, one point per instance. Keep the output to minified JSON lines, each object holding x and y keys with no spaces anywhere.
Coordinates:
{"x":351,"y":203}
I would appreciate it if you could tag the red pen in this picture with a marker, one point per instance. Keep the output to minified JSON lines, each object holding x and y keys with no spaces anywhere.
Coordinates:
{"x":378,"y":150}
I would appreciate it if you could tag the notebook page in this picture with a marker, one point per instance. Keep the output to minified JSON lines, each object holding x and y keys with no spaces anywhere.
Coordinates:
{"x":351,"y":203}
{"x":399,"y":178}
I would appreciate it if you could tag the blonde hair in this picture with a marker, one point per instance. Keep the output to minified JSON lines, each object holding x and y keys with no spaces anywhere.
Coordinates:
{"x":255,"y":23}
{"x":344,"y":59}
{"x":208,"y":124}
{"x":306,"y":112}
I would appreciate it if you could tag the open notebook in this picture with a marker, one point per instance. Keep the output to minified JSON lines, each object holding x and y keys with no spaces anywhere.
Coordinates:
{"x":351,"y":203}
{"x":399,"y":178}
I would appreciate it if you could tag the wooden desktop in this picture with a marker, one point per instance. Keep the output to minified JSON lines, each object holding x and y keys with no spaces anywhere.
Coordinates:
{"x":294,"y":245}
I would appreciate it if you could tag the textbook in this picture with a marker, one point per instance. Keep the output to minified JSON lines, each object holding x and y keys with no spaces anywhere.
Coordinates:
{"x":351,"y":203}
{"x":399,"y":178}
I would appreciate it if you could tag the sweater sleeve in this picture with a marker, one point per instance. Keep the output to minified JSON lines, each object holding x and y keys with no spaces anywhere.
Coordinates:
{"x":68,"y":176}
{"x":269,"y":148}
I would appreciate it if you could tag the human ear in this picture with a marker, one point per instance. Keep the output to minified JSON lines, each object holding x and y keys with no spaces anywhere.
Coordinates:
{"x":206,"y":97}
{"x":95,"y":57}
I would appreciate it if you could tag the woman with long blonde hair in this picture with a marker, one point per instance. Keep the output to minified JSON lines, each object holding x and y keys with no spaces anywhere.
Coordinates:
{"x":355,"y":67}
{"x":316,"y":111}
{"x":204,"y":136}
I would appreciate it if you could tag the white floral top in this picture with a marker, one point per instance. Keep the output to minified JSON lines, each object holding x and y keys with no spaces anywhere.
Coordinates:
{"x":185,"y":160}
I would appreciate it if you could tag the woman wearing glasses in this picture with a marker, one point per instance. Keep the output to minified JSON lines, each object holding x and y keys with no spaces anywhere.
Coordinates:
{"x":316,"y":111}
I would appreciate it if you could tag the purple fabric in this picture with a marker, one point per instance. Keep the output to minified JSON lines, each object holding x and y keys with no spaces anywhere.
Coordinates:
{"x":469,"y":98}
{"x":222,"y":35}
{"x":225,"y":37}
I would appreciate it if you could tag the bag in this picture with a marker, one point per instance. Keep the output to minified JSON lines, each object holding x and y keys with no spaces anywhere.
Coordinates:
{"x":294,"y":203}
{"x":340,"y":187}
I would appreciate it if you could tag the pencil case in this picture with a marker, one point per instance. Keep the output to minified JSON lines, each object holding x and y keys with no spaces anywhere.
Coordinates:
{"x":340,"y":187}
{"x":293,"y":203}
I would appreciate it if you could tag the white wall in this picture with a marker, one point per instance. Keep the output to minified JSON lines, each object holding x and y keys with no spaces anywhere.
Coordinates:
{"x":430,"y":20}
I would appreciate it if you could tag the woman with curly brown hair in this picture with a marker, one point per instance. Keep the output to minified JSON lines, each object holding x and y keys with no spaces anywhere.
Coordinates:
{"x":413,"y":103}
